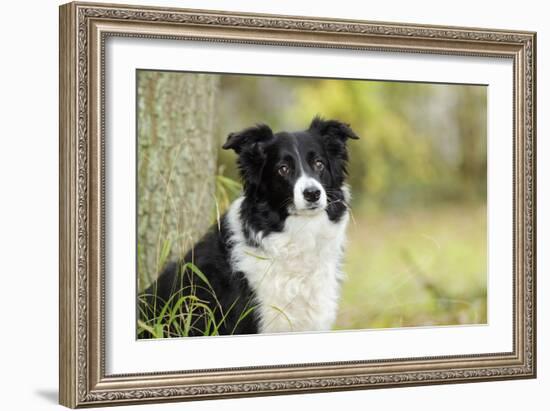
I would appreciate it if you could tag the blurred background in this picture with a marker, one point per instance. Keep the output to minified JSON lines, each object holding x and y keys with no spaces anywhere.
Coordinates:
{"x":417,"y":242}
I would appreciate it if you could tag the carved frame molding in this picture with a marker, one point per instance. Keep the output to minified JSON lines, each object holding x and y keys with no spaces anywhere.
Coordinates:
{"x":84,"y":27}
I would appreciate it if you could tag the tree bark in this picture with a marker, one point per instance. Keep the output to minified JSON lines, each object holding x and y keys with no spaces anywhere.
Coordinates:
{"x":177,"y":159}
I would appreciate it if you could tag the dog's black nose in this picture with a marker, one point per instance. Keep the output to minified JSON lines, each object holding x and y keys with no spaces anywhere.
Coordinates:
{"x":312,"y":194}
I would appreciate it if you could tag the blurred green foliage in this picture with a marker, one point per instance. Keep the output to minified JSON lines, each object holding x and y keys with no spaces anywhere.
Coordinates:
{"x":420,"y":143}
{"x":414,"y":267}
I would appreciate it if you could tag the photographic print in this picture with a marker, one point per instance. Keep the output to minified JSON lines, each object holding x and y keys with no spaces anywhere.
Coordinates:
{"x":271,"y":204}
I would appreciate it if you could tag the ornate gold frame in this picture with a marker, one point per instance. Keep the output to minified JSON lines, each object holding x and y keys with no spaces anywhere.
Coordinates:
{"x":83,"y":30}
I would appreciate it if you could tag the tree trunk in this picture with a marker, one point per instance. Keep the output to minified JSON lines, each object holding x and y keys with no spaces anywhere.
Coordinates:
{"x":177,"y":158}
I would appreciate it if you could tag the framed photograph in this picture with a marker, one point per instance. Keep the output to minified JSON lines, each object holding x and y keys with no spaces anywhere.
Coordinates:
{"x":259,"y":204}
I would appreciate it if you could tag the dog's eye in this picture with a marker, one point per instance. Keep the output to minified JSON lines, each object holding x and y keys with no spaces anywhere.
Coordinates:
{"x":283,"y":170}
{"x":319,"y":165}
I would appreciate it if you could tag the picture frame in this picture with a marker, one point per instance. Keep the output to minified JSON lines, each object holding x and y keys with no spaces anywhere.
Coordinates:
{"x":84,"y":30}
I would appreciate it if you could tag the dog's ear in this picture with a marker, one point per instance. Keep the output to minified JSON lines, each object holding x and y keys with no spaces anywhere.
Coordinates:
{"x":249,"y":145}
{"x":332,"y":129}
{"x":334,"y":135}
{"x":248,"y":137}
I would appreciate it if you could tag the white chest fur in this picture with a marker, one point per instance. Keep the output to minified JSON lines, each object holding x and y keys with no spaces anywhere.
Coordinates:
{"x":296,"y":273}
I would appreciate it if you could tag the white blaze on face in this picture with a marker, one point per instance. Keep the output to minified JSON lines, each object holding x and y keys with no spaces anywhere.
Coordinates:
{"x":305,"y":182}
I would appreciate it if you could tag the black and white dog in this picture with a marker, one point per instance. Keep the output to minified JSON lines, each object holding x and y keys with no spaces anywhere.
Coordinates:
{"x":276,"y":254}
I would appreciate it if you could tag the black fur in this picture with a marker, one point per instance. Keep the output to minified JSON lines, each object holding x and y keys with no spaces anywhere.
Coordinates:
{"x":267,"y":203}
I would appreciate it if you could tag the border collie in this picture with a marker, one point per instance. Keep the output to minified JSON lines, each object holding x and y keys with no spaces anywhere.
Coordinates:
{"x":274,"y":259}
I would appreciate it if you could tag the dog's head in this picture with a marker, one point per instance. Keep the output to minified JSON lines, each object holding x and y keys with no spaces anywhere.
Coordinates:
{"x":300,"y":172}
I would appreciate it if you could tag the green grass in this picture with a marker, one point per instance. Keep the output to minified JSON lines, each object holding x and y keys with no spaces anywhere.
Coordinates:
{"x":185,"y":314}
{"x":415,"y":268}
